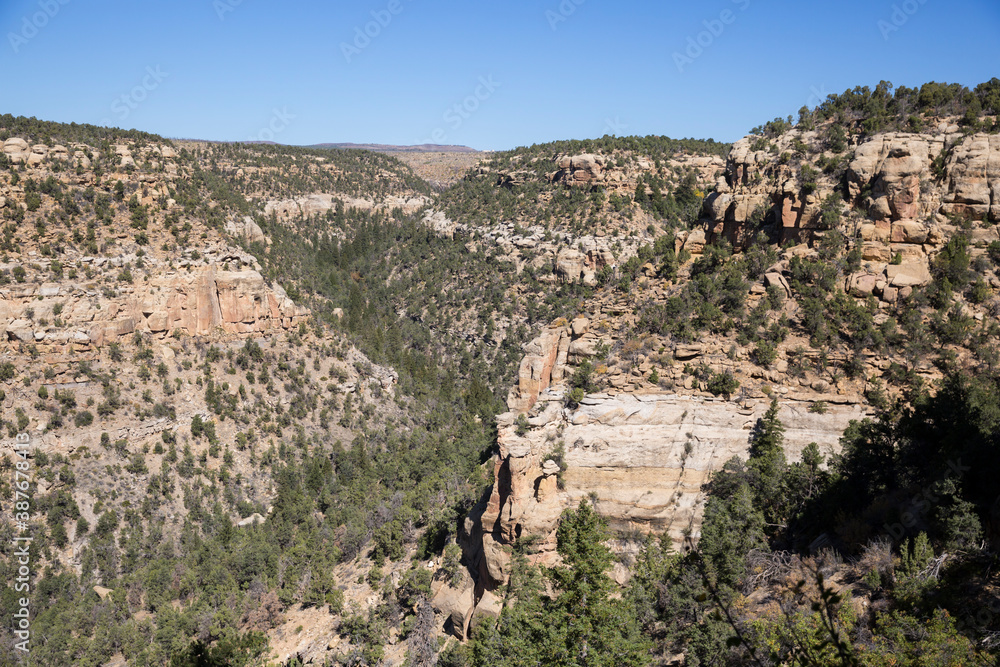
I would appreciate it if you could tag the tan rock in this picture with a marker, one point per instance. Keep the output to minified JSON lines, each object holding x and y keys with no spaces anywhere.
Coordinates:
{"x":456,"y":603}
{"x":875,"y":252}
{"x":908,"y":231}
{"x":247,"y":229}
{"x":862,"y":284}
{"x":687,"y":352}
{"x":908,"y":274}
{"x":695,"y":242}
{"x":778,"y":280}
{"x":646,"y":457}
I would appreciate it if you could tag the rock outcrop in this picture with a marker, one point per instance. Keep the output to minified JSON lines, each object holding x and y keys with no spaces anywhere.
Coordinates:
{"x":320,"y":203}
{"x":248,"y":230}
{"x":912,"y":179}
{"x":207,"y":300}
{"x":203,"y":301}
{"x":645,"y":454}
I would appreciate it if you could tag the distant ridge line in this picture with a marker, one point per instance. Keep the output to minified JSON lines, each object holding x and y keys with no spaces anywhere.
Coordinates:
{"x":388,"y":148}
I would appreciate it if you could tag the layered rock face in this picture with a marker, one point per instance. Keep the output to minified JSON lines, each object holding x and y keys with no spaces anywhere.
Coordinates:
{"x":891,"y":177}
{"x":573,"y":258}
{"x":319,"y":203}
{"x":645,"y":454}
{"x":63,"y":318}
{"x":904,"y":190}
{"x":208,"y":300}
{"x":590,"y":169}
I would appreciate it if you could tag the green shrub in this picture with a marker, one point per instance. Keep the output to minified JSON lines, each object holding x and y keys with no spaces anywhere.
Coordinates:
{"x":764,"y":354}
{"x":722,"y":383}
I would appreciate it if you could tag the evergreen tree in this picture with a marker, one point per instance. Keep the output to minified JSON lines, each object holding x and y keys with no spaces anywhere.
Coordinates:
{"x":730,"y":529}
{"x":582,"y":625}
{"x":767,"y":464}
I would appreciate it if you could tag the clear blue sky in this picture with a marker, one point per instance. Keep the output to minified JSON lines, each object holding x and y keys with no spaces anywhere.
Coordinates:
{"x":236,"y":70}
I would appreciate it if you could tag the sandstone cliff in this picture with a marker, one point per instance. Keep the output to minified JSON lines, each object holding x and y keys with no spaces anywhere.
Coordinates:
{"x":645,"y":453}
{"x":907,"y":194}
{"x":646,"y":447}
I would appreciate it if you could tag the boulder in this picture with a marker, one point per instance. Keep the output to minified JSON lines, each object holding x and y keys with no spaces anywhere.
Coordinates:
{"x":778,"y":280}
{"x":862,"y":284}
{"x":487,"y":611}
{"x":908,"y":274}
{"x":695,"y":242}
{"x":456,"y":603}
{"x":251,"y":520}
{"x":686,"y":352}
{"x":247,"y":230}
{"x":16,"y":149}
{"x":908,"y":231}
{"x":582,"y":348}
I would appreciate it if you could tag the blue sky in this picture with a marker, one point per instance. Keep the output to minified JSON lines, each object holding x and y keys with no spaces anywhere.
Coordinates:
{"x":491,"y":75}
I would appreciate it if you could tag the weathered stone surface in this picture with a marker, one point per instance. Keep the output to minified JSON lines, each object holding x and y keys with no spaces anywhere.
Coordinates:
{"x":251,"y":520}
{"x":695,"y":242}
{"x":908,"y":274}
{"x":206,"y":300}
{"x":862,"y":284}
{"x":875,"y":252}
{"x":320,"y":203}
{"x":973,"y":173}
{"x":247,"y":229}
{"x":775,"y":279}
{"x":535,"y":372}
{"x":908,"y":231}
{"x":456,"y":602}
{"x":645,"y":456}
{"x":687,"y":352}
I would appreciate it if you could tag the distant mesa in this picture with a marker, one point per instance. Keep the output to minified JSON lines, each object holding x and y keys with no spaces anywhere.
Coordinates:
{"x":388,"y":148}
